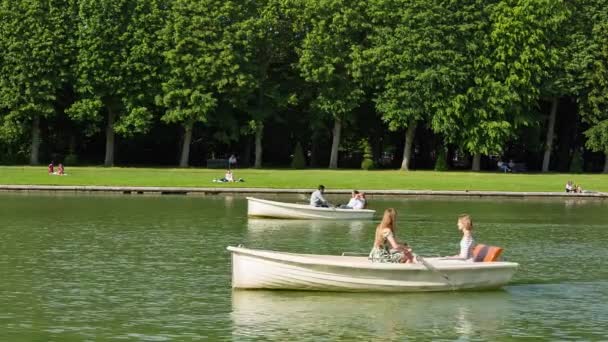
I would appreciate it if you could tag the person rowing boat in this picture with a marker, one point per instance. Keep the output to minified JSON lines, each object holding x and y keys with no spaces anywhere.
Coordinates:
{"x":317,"y":199}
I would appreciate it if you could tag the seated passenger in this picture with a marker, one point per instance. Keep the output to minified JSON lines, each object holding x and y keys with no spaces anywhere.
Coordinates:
{"x":352,"y":202}
{"x":317,"y":199}
{"x":386,"y":248}
{"x":361,"y":201}
{"x":467,"y":243}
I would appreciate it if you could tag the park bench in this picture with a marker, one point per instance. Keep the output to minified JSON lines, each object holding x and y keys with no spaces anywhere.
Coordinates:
{"x":217,"y":163}
{"x":519,"y":167}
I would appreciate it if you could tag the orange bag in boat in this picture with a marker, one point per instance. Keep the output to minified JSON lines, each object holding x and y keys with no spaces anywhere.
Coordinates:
{"x":485,"y":253}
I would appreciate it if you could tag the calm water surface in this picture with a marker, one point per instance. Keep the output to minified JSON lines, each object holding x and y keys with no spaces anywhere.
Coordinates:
{"x":140,"y":268}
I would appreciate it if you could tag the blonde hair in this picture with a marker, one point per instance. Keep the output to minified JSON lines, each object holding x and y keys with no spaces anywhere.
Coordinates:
{"x":389,"y":220}
{"x":467,"y":221}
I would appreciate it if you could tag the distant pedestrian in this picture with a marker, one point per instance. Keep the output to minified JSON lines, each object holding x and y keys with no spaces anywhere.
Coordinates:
{"x":232,"y":161}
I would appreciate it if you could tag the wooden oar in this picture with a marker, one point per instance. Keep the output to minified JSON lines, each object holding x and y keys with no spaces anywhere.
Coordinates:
{"x":433,"y":269}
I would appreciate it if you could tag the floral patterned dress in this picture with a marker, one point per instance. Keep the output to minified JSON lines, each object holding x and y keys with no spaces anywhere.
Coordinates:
{"x":384,"y":253}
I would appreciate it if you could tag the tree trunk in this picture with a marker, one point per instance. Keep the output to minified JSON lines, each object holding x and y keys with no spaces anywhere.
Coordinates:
{"x":315,"y":147}
{"x":72,"y":147}
{"x":407,"y":149}
{"x":335,"y":144}
{"x":109,"y":158}
{"x":259,"y":133}
{"x":550,"y":130}
{"x":246,"y":158}
{"x":35,"y":148}
{"x":184,"y":159}
{"x":476,"y":162}
{"x":606,"y":162}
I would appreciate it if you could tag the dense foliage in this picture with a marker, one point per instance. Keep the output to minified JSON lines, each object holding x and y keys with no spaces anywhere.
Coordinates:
{"x":426,"y":83}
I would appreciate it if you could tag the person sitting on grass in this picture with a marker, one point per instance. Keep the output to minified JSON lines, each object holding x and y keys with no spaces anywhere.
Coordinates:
{"x":51,"y":168}
{"x":228,"y":178}
{"x":569,"y":186}
{"x":60,"y":170}
{"x":317,"y":199}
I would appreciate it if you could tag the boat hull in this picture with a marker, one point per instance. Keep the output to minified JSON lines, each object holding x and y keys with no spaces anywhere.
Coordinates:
{"x":263,"y":208}
{"x":255,"y":269}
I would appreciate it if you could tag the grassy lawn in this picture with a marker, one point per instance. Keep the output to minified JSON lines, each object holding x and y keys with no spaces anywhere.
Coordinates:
{"x":287,"y":178}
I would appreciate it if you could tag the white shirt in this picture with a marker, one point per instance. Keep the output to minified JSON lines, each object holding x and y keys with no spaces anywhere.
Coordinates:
{"x":466,"y":246}
{"x":359,"y":203}
{"x":317,"y":199}
{"x":352,"y":202}
{"x":228,"y":177}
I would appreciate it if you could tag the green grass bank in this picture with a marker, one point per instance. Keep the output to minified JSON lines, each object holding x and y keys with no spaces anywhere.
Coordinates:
{"x":298,"y":179}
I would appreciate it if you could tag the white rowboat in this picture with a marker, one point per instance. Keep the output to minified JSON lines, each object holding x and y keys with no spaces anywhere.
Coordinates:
{"x":261,"y":269}
{"x":265,"y":208}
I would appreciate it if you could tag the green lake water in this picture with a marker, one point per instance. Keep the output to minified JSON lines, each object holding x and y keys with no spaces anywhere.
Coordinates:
{"x":143,"y":268}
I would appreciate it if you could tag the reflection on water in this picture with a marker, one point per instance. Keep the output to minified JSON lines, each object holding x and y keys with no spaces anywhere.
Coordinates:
{"x":557,"y":311}
{"x":387,"y":316}
{"x":255,"y":225}
{"x":75,"y":268}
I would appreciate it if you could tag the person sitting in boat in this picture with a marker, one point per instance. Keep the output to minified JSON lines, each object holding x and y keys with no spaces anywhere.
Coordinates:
{"x":317,"y":199}
{"x":467,"y":243}
{"x":354,"y":199}
{"x":361,"y":201}
{"x":386,"y":248}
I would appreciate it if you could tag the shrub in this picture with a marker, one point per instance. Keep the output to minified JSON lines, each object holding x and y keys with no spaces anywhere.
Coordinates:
{"x":576,"y":166}
{"x":298,"y":161}
{"x":70,"y":159}
{"x":441,"y":164}
{"x":368,"y":156}
{"x":367,"y":164}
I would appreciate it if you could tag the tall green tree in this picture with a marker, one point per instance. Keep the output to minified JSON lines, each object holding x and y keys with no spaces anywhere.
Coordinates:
{"x":118,"y":65}
{"x":268,"y":41}
{"x":335,"y":29}
{"x":35,"y":59}
{"x":595,"y":101}
{"x":414,"y":62}
{"x":508,"y":56}
{"x":565,"y":79}
{"x":201,"y":62}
